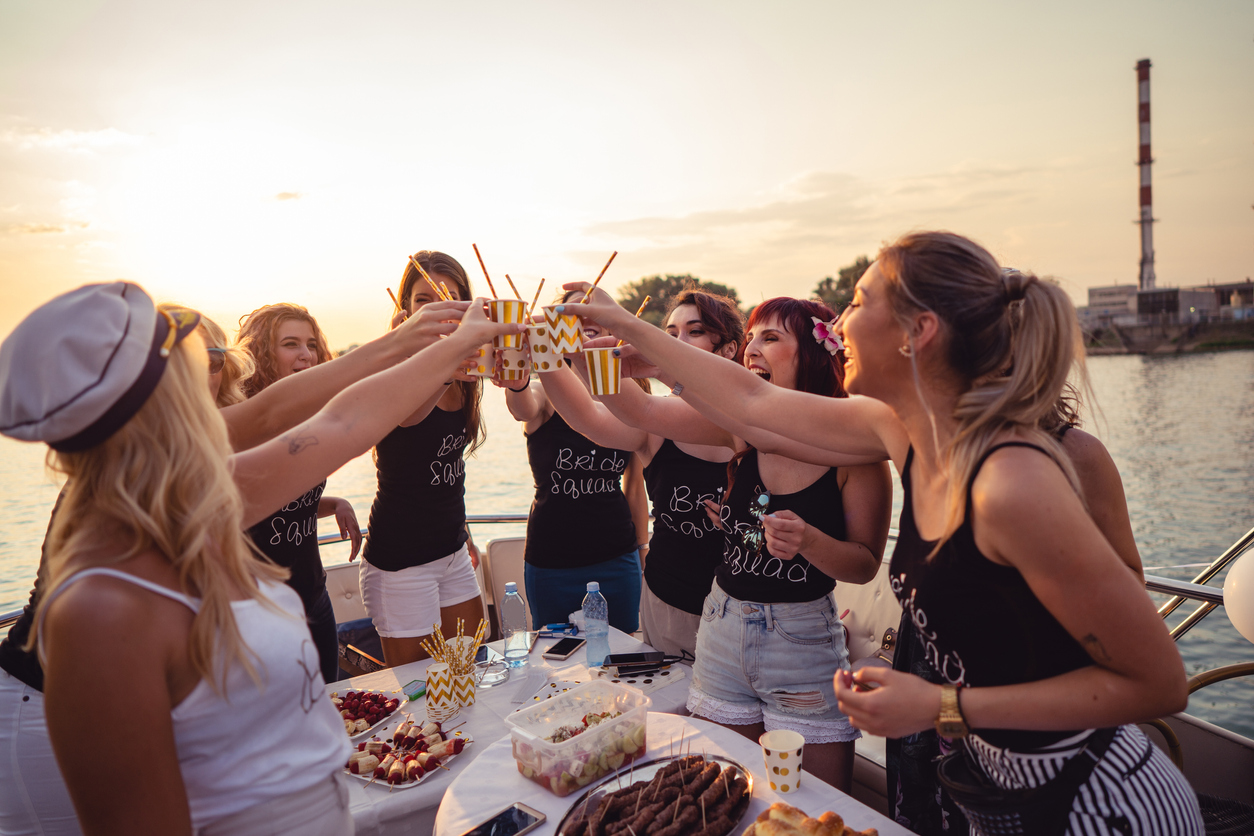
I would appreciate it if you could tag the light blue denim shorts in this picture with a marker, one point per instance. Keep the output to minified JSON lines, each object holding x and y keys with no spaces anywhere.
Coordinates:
{"x":771,"y":663}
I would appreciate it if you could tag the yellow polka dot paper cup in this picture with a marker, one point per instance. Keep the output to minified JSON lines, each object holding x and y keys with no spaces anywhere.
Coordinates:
{"x":604,"y":370}
{"x":511,"y":311}
{"x":514,"y":365}
{"x":565,"y":330}
{"x":782,"y":751}
{"x":544,"y":356}
{"x":482,"y":365}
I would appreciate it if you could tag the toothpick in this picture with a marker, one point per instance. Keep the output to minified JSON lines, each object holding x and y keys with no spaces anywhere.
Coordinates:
{"x":532,"y":310}
{"x":588,"y":295}
{"x":491,"y":289}
{"x":639,"y":311}
{"x":703,"y":824}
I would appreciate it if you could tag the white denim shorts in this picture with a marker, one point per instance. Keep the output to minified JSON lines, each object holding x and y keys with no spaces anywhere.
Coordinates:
{"x":407,"y":603}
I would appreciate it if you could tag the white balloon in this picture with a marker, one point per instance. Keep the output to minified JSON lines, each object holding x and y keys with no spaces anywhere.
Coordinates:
{"x":1239,"y":595}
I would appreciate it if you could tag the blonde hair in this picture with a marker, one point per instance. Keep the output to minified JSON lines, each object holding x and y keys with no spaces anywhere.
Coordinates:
{"x":258,"y":335}
{"x":164,"y":481}
{"x":1010,"y":338}
{"x":237,"y":364}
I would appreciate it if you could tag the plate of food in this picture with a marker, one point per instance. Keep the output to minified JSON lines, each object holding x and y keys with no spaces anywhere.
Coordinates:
{"x":783,"y":820}
{"x":414,"y":753}
{"x":364,"y":711}
{"x":707,"y":794}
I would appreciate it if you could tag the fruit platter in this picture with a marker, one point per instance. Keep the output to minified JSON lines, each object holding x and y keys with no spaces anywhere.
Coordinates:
{"x":364,"y":711}
{"x":413,"y":753}
{"x":567,"y":742}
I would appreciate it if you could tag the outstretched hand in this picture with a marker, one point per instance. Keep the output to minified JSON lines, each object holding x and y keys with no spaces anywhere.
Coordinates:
{"x":634,"y":364}
{"x":476,"y":324}
{"x":600,"y":307}
{"x":432,"y":321}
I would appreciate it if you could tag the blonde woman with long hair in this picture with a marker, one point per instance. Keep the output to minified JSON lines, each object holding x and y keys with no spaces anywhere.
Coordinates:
{"x":1049,"y":648}
{"x":229,"y":365}
{"x":205,"y":709}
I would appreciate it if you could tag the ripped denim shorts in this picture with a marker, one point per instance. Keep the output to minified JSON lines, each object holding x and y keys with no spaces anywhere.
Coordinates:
{"x":771,"y":663}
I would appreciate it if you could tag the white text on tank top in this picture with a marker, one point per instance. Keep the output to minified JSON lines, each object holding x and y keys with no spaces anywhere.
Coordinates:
{"x":687,"y":503}
{"x":574,"y":475}
{"x":449,"y":465}
{"x":950,"y":666}
{"x":296,"y":531}
{"x":759,"y":561}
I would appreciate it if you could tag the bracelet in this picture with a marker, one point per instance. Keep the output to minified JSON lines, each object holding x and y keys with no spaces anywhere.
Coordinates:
{"x":677,"y":389}
{"x":449,"y":382}
{"x":516,"y":391}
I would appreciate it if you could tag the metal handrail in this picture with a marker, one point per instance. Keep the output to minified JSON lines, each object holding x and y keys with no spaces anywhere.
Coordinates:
{"x":1209,"y":604}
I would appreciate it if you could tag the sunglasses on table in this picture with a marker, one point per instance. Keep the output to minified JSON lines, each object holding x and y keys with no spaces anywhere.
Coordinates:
{"x":217,"y":359}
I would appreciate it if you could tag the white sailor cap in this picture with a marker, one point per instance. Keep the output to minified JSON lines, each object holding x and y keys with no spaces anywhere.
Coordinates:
{"x":81,"y":365}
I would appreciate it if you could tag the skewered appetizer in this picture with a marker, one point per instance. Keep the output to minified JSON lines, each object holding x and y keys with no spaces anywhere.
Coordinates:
{"x":414,"y":751}
{"x":361,"y":710}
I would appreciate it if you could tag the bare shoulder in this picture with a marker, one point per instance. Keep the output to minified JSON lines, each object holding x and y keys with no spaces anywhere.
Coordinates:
{"x":1015,"y":478}
{"x":1085,"y":450}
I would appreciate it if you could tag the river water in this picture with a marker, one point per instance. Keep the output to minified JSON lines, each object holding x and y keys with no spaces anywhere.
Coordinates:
{"x":1180,"y":429}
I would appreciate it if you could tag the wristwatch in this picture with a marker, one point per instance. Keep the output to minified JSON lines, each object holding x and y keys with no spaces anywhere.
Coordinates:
{"x":950,"y":722}
{"x":677,"y":389}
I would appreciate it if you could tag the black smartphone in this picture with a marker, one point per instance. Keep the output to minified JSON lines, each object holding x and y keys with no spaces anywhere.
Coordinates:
{"x":514,"y":820}
{"x":563,"y":649}
{"x":652,"y":657}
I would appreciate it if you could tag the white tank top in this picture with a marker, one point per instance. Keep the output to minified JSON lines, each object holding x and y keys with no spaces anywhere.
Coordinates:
{"x":256,"y":744}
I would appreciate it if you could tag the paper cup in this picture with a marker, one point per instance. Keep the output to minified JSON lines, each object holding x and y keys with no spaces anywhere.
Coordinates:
{"x":442,"y":703}
{"x":514,"y":365}
{"x":464,"y":690}
{"x":604,"y":370}
{"x":544,"y":356}
{"x":507,"y":310}
{"x":565,"y":330}
{"x":483,"y":368}
{"x":782,"y":751}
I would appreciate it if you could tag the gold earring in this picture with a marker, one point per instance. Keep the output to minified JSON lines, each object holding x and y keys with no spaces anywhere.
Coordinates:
{"x":906,"y":351}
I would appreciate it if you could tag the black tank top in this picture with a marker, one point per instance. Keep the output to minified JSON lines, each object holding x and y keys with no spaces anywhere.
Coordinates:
{"x":686,"y":546}
{"x":22,"y":664}
{"x":580,"y":515}
{"x":751,"y":573}
{"x":289,"y":537}
{"x":978,"y":621}
{"x":419,"y":511}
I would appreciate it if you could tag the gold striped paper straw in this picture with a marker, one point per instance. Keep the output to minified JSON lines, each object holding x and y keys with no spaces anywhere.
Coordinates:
{"x":588,"y":295}
{"x":484,"y":268}
{"x":639,"y":311}
{"x":394,"y":300}
{"x":448,"y":294}
{"x":511,"y":287}
{"x":444,"y":295}
{"x":532,"y":310}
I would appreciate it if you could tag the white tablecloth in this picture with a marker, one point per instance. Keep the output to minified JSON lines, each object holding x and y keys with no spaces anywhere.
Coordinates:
{"x":493,"y":782}
{"x":380,"y":812}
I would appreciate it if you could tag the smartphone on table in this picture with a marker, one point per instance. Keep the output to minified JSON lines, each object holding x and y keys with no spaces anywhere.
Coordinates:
{"x":514,"y":820}
{"x":650,"y":658}
{"x":564,"y":648}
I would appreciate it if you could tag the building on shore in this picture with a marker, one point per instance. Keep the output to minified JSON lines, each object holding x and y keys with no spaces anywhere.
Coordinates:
{"x":1125,"y":306}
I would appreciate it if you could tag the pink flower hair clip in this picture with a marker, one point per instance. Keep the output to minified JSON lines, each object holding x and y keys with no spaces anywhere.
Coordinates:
{"x":826,"y":336}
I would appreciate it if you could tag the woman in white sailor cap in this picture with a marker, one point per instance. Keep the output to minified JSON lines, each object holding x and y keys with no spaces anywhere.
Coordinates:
{"x":182,"y":689}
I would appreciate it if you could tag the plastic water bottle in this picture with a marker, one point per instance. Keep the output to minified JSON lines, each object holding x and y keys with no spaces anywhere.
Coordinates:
{"x":596,"y":625}
{"x":514,"y":627}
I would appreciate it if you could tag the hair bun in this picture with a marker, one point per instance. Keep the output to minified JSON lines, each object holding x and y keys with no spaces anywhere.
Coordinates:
{"x":1015,"y":284}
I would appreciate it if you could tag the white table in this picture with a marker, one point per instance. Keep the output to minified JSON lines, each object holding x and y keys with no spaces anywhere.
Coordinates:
{"x":380,"y":812}
{"x":493,"y":782}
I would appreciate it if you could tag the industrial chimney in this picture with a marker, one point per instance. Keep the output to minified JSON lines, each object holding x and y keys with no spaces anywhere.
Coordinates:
{"x":1146,"y":279}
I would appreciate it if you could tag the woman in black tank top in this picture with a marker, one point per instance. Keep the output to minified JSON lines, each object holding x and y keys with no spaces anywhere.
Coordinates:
{"x":685,"y":546}
{"x":960,"y":359}
{"x":418,"y":568}
{"x":284,"y":339}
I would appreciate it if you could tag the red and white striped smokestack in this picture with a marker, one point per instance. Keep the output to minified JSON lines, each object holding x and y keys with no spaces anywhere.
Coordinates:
{"x":1146,"y":221}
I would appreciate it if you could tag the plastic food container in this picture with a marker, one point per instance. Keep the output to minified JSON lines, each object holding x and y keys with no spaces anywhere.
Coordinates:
{"x":600,"y":749}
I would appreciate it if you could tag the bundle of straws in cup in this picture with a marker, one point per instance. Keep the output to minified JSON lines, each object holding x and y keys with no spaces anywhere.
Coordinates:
{"x":458,"y":654}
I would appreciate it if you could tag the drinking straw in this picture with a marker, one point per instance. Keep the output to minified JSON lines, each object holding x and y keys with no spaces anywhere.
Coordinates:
{"x":394,"y":300}
{"x":588,"y":295}
{"x":532,"y":310}
{"x":444,"y":295}
{"x":491,"y":289}
{"x":639,"y":311}
{"x":511,"y":287}
{"x":448,"y":294}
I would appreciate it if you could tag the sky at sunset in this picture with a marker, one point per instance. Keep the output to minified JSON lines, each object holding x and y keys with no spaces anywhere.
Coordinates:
{"x":232,"y":154}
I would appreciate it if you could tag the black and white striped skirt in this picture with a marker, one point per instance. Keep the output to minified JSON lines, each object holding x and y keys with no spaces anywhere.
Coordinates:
{"x":1134,"y":790}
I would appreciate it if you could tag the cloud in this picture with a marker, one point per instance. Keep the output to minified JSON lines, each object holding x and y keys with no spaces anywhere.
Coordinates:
{"x":45,"y":229}
{"x":68,"y":140}
{"x":288,"y":196}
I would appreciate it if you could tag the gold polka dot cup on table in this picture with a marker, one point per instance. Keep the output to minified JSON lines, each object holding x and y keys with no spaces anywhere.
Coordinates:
{"x":511,"y":311}
{"x":544,"y":355}
{"x":565,"y":330}
{"x":482,"y":364}
{"x":782,"y":751}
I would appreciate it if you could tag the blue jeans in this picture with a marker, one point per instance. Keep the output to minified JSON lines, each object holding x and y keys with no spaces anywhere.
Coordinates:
{"x":771,"y":663}
{"x":553,"y":594}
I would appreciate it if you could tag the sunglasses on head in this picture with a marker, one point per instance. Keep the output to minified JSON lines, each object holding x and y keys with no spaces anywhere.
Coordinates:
{"x":217,"y":359}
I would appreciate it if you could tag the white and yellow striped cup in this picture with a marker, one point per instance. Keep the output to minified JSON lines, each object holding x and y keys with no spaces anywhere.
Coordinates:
{"x":604,"y":370}
{"x":544,"y":356}
{"x":565,"y":330}
{"x":442,"y":702}
{"x":511,"y":311}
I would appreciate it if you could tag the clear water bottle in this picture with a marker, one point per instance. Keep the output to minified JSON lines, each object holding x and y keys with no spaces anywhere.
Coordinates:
{"x":514,"y":626}
{"x":596,"y":625}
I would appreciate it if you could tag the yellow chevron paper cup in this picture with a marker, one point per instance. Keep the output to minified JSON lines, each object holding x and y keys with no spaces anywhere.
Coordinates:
{"x":565,"y":330}
{"x":464,"y":690}
{"x":483,"y":365}
{"x":544,"y":356}
{"x":604,"y":370}
{"x":442,"y":702}
{"x":514,"y":365}
{"x":507,"y":310}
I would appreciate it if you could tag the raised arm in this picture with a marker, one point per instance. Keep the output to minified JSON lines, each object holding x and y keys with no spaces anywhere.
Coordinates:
{"x":860,"y":427}
{"x":294,"y":399}
{"x":666,"y":417}
{"x":588,"y":417}
{"x":355,"y":419}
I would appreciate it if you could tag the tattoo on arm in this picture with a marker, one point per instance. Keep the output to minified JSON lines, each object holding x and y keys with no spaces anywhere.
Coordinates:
{"x":298,"y":441}
{"x":1093,"y":645}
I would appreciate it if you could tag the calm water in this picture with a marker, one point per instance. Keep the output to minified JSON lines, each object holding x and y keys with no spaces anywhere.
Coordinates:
{"x":1181,"y":430}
